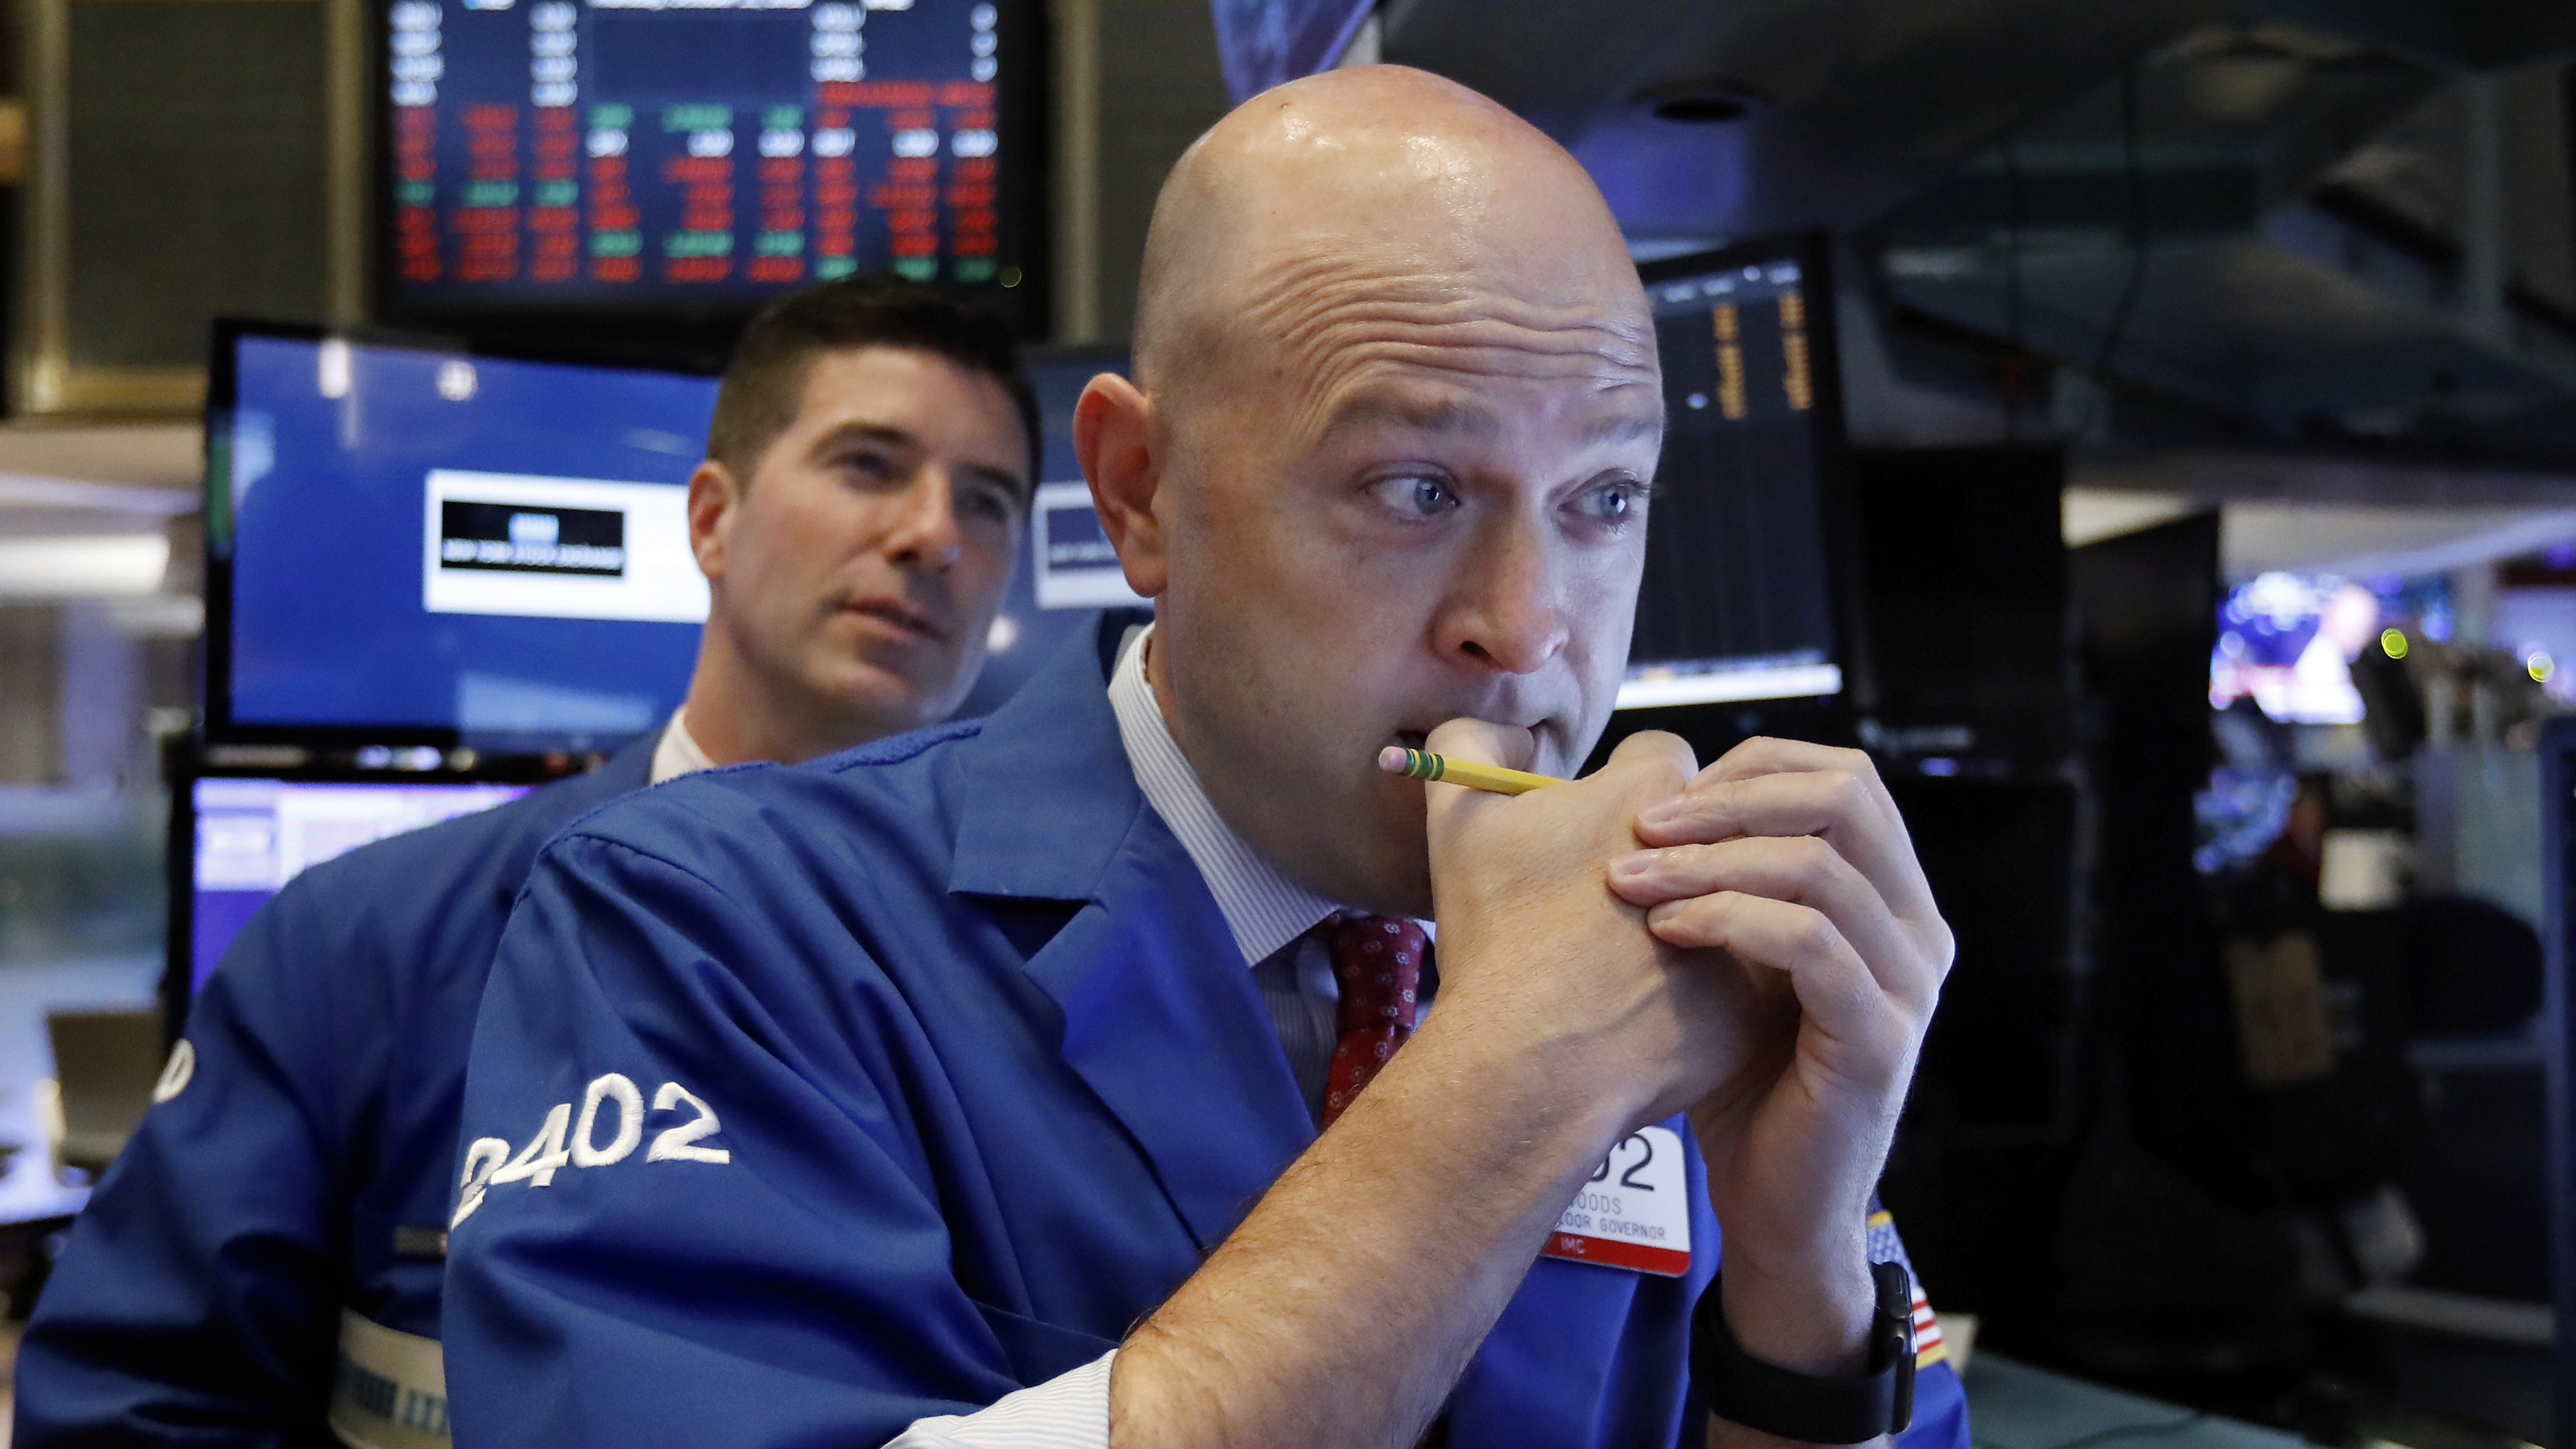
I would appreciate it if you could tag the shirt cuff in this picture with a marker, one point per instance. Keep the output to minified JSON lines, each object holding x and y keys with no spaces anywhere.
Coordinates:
{"x":1069,"y":1411}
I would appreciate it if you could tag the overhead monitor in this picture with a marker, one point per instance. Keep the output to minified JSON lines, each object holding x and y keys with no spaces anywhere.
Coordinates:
{"x":670,"y":156}
{"x":246,"y":838}
{"x":415,"y":544}
{"x":1745,"y":540}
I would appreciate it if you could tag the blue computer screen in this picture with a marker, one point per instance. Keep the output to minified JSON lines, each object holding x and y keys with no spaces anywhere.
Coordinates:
{"x":253,"y":836}
{"x":424,"y":540}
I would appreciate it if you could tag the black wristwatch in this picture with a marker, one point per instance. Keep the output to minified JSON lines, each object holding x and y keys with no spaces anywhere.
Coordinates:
{"x":1744,"y":1390}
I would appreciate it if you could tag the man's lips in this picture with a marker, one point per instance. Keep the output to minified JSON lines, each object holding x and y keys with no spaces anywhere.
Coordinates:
{"x":1414,"y":731}
{"x":1542,"y":731}
{"x":901,"y":615}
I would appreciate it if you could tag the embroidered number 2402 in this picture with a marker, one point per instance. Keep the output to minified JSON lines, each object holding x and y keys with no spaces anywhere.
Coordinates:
{"x":560,"y":1142}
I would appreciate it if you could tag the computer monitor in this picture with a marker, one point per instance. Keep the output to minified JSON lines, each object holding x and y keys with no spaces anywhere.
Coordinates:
{"x":696,"y":157}
{"x":409,"y":543}
{"x":1748,"y":537}
{"x":240,"y":840}
{"x":2286,"y":641}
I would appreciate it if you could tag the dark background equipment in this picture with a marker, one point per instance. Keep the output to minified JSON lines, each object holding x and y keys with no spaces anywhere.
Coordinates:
{"x":1964,"y":585}
{"x":1964,"y":564}
{"x":2558,"y":830}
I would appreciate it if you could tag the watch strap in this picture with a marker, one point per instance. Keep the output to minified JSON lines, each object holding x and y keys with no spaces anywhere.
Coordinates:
{"x":1812,"y":1407}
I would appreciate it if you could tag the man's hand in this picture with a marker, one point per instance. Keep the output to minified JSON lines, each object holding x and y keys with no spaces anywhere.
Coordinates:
{"x":1532,"y":942}
{"x":1384,"y":1255}
{"x":1792,"y":860}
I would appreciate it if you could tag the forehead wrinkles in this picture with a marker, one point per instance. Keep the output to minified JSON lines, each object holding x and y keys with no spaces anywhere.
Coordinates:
{"x":1328,"y":323}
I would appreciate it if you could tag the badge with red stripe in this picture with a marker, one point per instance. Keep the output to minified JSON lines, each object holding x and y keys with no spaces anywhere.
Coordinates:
{"x":1634,"y":1213}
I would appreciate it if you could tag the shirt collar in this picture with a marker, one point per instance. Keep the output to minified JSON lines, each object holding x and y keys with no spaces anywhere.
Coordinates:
{"x":677,"y":752}
{"x":1263,"y":908}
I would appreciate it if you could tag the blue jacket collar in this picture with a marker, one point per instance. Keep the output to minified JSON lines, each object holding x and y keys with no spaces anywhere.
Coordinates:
{"x":1160,"y":1017}
{"x":1048,"y":794}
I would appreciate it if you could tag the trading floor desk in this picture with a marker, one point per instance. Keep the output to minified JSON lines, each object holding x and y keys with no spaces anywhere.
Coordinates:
{"x":2015,"y":1406}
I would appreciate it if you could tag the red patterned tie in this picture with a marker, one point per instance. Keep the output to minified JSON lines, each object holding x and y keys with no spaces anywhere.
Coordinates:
{"x":1377,"y":960}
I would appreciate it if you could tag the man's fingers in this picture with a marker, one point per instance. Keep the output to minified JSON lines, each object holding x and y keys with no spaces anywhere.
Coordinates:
{"x":1801,"y":870}
{"x":1840,"y":997}
{"x":1764,"y":755}
{"x":1848,"y":811}
{"x":1785,"y":802}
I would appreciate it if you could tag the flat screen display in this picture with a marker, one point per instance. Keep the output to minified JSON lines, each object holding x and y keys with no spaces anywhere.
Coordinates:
{"x":253,"y":836}
{"x":406,"y":543}
{"x":637,"y":154}
{"x":1738,"y":598}
{"x":2287,"y":641}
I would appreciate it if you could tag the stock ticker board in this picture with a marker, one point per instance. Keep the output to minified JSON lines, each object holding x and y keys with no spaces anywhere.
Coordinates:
{"x":644,"y":152}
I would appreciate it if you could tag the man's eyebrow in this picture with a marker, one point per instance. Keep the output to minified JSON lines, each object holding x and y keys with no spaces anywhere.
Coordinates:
{"x":1423,"y":415}
{"x":1006,"y":479}
{"x":1624,"y":428}
{"x":863,"y":432}
{"x":1447,"y":415}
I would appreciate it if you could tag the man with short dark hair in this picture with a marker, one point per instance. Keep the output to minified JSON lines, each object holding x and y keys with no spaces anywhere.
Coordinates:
{"x":263,"y":1264}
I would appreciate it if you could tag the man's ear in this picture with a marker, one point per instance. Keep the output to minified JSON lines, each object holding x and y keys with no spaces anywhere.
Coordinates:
{"x":715,"y":499}
{"x":1113,"y":436}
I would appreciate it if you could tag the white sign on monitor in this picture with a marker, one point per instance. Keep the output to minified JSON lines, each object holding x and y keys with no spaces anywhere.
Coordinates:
{"x":558,"y":548}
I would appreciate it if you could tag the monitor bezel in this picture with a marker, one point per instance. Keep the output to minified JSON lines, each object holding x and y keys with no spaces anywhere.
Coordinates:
{"x":1713,"y":727}
{"x":1023,"y":179}
{"x":216,"y":723}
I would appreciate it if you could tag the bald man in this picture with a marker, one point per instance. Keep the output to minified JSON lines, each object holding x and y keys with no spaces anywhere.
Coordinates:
{"x":1066,"y":1078}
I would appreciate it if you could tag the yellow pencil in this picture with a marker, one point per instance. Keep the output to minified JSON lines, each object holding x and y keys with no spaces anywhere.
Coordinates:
{"x":1424,"y":765}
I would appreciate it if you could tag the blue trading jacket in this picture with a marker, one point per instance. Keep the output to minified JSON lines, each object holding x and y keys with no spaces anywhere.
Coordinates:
{"x":813,"y":1101}
{"x":199,"y":1299}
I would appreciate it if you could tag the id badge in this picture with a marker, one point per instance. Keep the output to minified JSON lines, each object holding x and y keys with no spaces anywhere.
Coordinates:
{"x":1634,"y":1213}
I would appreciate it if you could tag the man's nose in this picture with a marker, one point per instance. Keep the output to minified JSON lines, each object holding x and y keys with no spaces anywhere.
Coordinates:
{"x":925,"y":533}
{"x":1506,"y":612}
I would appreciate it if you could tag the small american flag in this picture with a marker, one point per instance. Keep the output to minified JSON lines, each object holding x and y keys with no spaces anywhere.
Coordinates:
{"x":1885,"y":1246}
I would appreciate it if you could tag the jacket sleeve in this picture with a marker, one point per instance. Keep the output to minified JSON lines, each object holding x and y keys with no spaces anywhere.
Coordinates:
{"x":693,"y":1206}
{"x":196,"y":1301}
{"x":1940,"y":1409}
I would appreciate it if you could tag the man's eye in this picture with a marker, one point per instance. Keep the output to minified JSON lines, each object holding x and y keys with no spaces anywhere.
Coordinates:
{"x":1614,"y":502}
{"x":991,"y":505}
{"x":1415,"y":495}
